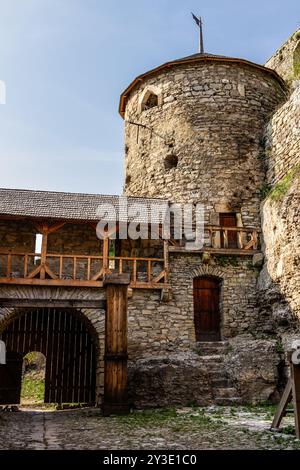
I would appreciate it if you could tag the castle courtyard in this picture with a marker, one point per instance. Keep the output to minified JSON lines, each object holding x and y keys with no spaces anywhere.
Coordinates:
{"x":189,"y":428}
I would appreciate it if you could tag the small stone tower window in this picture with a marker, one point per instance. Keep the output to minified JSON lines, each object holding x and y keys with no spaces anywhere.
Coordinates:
{"x":151,"y":102}
{"x":150,"y":98}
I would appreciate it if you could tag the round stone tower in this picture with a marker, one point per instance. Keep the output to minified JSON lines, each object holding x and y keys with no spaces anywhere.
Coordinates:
{"x":193,"y":133}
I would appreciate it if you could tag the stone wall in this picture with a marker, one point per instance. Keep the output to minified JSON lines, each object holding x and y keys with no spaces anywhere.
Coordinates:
{"x":206,"y":137}
{"x":279,"y":280}
{"x":286,"y":61}
{"x":157,"y":327}
{"x":282,"y":139}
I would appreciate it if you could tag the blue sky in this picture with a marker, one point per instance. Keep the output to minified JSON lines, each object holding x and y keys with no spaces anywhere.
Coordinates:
{"x":65,"y":63}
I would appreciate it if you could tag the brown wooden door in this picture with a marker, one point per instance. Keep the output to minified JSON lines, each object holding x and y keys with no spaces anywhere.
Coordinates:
{"x":206,"y":309}
{"x":228,"y":220}
{"x":10,"y":379}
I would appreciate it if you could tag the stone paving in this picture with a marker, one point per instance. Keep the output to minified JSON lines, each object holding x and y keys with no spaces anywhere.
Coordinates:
{"x":175,"y":429}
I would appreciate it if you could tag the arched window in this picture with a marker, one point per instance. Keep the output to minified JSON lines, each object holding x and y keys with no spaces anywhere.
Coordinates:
{"x":151,"y":102}
{"x":150,"y":98}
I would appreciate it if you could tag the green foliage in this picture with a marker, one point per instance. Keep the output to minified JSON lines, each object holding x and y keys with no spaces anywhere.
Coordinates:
{"x":284,"y":185}
{"x":33,"y":390}
{"x":289,"y":430}
{"x":228,"y":261}
{"x":296,"y":68}
{"x":279,"y":348}
{"x":265,"y":191}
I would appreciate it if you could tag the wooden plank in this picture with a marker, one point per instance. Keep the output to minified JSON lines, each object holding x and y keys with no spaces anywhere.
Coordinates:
{"x":166,"y":260}
{"x":115,"y":376}
{"x":9,"y":265}
{"x":281,"y":409}
{"x":220,"y":251}
{"x":295,"y":375}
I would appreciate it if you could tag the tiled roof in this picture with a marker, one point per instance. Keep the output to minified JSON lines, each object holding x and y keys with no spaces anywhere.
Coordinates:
{"x":77,"y":206}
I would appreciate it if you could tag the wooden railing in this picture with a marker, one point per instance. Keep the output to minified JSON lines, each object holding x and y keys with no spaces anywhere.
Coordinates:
{"x":227,"y":240}
{"x":79,"y":270}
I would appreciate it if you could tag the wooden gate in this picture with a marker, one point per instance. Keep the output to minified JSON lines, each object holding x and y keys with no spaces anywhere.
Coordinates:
{"x":64,"y":338}
{"x":10,"y":379}
{"x":206,"y":308}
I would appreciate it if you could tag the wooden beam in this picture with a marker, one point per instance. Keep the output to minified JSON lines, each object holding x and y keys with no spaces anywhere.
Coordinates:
{"x":295,"y":375}
{"x":75,"y":283}
{"x":105,"y":255}
{"x":41,"y":303}
{"x":283,"y":404}
{"x":166,"y":260}
{"x":217,"y":251}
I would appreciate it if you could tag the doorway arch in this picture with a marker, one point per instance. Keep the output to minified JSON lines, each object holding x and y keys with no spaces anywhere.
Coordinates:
{"x":207,"y":316}
{"x":67,"y":340}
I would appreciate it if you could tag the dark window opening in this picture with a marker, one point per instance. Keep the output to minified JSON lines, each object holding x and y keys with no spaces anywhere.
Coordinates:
{"x":151,"y":102}
{"x":170,"y":162}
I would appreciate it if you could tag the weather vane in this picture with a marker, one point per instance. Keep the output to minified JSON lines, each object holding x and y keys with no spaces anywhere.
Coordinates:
{"x":198,"y":21}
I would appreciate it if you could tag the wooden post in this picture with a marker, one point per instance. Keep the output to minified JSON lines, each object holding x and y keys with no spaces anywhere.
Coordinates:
{"x":115,"y":369}
{"x":44,"y":251}
{"x":105,"y":255}
{"x":291,"y":392}
{"x":295,"y":375}
{"x":166,"y":260}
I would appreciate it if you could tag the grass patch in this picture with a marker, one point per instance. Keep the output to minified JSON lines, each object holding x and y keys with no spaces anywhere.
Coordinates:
{"x":195,"y":419}
{"x":33,"y":391}
{"x":283,"y":186}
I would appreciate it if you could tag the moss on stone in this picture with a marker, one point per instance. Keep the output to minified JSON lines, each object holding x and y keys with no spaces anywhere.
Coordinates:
{"x":281,"y":188}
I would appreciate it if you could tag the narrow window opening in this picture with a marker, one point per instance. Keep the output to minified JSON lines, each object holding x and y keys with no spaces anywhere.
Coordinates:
{"x":151,"y":102}
{"x":38,"y":247}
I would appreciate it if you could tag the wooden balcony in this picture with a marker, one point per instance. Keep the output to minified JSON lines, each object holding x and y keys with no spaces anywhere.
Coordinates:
{"x":225,"y":241}
{"x":79,"y":270}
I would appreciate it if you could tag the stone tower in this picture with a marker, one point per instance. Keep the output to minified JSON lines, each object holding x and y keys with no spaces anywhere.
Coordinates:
{"x":193,"y":133}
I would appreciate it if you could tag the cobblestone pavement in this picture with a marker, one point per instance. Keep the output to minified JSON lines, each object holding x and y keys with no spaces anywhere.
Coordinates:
{"x":184,"y":428}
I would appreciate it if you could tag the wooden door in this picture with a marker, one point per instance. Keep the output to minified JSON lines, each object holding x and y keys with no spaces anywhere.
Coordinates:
{"x":206,"y":309}
{"x":228,"y":220}
{"x":11,"y":379}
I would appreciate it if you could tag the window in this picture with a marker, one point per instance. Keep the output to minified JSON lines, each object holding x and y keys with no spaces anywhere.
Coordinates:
{"x":151,"y":102}
{"x":150,"y":98}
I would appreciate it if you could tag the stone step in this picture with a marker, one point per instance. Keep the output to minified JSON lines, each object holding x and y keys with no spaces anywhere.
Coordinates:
{"x":209,"y":348}
{"x":212,"y":358}
{"x":220,"y":382}
{"x":233,"y":401}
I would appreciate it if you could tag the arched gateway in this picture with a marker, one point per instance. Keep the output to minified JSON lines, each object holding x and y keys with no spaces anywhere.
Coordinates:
{"x":68,"y":341}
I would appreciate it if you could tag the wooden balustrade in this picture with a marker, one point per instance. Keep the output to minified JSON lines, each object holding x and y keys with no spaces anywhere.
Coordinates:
{"x":218,"y":239}
{"x":79,"y":270}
